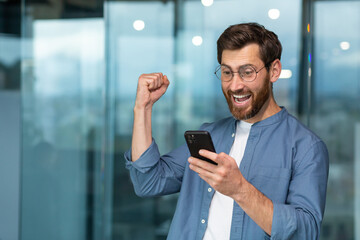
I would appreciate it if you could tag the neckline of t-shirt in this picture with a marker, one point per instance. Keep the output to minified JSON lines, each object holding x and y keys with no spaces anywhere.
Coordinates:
{"x":244,"y":125}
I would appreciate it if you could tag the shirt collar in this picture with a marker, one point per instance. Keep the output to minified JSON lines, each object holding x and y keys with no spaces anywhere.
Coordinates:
{"x":268,"y":121}
{"x":273,"y":119}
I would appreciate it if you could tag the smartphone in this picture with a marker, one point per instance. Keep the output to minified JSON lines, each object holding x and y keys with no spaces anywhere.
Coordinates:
{"x":197,"y":140}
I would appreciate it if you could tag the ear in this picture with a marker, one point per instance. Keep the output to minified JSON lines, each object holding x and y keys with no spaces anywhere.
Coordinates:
{"x":275,"y":70}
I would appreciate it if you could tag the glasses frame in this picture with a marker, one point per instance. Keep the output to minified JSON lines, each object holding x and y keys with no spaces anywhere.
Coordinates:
{"x":238,"y":72}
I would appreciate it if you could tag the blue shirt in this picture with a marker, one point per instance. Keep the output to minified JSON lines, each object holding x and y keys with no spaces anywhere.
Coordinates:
{"x":283,"y":159}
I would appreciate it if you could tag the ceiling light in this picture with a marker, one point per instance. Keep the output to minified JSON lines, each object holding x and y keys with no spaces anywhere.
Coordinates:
{"x":274,"y":13}
{"x":207,"y":3}
{"x":345,"y":46}
{"x":285,"y":73}
{"x":139,"y":25}
{"x":197,"y":40}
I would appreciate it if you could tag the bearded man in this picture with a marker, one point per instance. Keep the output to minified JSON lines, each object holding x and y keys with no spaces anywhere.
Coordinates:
{"x":271,"y":175}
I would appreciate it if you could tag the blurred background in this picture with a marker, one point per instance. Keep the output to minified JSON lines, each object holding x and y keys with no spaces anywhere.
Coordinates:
{"x":68,"y":77}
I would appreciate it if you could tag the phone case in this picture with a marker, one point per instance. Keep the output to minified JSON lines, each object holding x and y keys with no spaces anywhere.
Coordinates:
{"x":197,"y":140}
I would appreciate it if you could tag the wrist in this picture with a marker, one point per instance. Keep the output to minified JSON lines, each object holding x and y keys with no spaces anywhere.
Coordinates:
{"x":242,"y":192}
{"x":142,"y":117}
{"x":142,"y":108}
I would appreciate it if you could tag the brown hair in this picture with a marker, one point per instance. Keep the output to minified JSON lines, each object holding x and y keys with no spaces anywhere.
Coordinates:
{"x":239,"y":35}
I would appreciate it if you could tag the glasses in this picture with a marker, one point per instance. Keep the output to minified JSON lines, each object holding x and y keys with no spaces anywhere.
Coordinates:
{"x":247,"y":73}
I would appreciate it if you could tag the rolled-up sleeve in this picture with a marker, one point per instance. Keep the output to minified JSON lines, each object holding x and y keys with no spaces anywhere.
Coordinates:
{"x":146,"y":161}
{"x":154,"y":175}
{"x":301,"y":216}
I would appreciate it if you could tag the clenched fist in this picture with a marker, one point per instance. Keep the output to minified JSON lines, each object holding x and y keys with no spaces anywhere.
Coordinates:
{"x":150,"y":88}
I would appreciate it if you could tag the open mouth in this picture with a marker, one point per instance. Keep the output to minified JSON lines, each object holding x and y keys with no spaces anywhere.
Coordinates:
{"x":241,"y":99}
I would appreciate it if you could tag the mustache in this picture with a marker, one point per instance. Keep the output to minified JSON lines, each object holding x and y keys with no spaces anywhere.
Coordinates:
{"x":239,"y":92}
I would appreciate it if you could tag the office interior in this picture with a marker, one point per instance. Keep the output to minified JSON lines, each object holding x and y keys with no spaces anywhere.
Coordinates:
{"x":68,"y":77}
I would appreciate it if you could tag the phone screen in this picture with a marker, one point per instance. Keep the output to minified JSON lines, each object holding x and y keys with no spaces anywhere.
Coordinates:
{"x":197,"y":140}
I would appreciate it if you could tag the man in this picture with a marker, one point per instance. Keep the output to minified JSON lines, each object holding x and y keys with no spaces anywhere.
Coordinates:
{"x":271,"y":174}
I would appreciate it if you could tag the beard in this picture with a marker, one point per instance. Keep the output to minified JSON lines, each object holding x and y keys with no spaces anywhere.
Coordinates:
{"x":258,"y":101}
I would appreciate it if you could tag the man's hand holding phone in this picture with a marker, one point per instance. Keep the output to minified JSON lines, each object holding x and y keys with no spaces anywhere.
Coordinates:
{"x":225,"y":177}
{"x":219,"y":170}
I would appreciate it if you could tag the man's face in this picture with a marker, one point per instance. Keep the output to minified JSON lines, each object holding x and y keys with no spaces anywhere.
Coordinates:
{"x":246,"y":100}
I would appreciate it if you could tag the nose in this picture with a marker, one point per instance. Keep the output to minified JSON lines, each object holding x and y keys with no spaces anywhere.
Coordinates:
{"x":236,"y":82}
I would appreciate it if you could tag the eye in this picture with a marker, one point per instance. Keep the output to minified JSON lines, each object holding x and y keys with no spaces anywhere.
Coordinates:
{"x":248,"y":71}
{"x":226,"y":72}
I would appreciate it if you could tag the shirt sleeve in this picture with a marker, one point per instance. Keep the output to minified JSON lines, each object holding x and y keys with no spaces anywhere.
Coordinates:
{"x":301,"y":216}
{"x":155,"y":175}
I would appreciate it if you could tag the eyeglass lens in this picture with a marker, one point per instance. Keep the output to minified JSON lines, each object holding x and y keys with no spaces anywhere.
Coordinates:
{"x":247,"y":73}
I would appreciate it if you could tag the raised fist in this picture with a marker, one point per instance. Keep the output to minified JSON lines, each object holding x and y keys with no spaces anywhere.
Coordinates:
{"x":150,"y":88}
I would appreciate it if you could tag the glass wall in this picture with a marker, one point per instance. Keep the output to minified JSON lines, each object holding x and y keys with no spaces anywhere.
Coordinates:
{"x":10,"y":119}
{"x":65,"y":162}
{"x":68,"y":79}
{"x":132,"y":52}
{"x":336,"y":111}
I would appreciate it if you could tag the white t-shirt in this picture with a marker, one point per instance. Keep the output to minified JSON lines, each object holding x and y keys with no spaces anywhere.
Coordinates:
{"x":221,"y":207}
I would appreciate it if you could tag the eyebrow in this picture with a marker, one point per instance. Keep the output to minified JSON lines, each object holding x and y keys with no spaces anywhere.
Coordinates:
{"x":242,"y":66}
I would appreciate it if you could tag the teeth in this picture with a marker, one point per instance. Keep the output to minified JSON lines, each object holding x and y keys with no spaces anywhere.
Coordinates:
{"x":240,"y":96}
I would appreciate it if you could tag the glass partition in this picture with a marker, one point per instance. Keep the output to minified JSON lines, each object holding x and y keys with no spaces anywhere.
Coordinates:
{"x":10,"y":118}
{"x":141,"y":39}
{"x":10,"y":123}
{"x":335,"y":108}
{"x":64,"y":159}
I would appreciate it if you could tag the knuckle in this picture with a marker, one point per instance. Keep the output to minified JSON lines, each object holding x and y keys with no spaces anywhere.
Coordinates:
{"x":142,"y":78}
{"x":222,"y":174}
{"x":158,"y":75}
{"x":219,"y":180}
{"x":222,"y":154}
{"x":143,"y":75}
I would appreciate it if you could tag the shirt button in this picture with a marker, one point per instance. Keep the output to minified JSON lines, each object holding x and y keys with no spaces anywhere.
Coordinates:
{"x":209,"y":189}
{"x":233,"y":135}
{"x":202,"y":221}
